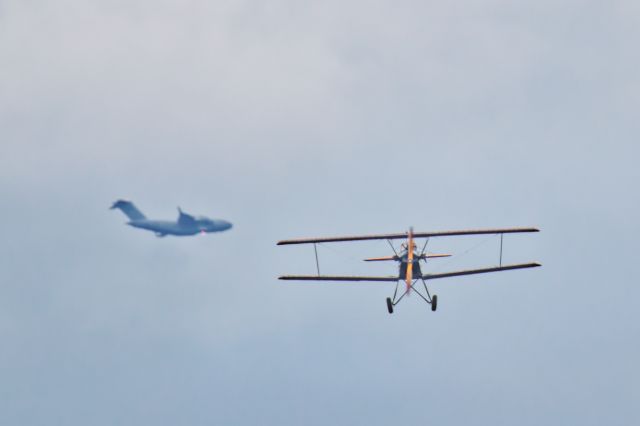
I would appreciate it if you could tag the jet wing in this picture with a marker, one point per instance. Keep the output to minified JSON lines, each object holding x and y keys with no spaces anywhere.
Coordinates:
{"x":480,"y":271}
{"x":185,"y":219}
{"x":335,"y":278}
{"x":404,"y":235}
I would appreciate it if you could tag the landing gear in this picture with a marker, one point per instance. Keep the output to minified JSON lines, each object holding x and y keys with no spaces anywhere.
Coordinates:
{"x":431,"y":300}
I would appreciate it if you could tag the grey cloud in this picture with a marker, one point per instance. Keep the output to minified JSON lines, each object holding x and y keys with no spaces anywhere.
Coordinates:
{"x":296,"y":119}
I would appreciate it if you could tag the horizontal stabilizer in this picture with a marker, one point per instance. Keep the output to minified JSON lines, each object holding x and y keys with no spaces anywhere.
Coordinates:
{"x":381,"y":259}
{"x":424,"y":256}
{"x":435,"y":256}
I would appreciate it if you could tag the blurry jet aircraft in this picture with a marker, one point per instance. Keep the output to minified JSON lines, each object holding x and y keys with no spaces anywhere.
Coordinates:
{"x":185,"y":225}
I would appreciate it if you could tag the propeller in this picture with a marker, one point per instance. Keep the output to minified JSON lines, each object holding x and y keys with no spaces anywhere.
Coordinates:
{"x":410,"y":247}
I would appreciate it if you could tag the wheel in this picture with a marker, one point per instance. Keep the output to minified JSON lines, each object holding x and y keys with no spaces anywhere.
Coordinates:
{"x":389,"y":305}
{"x":434,"y":303}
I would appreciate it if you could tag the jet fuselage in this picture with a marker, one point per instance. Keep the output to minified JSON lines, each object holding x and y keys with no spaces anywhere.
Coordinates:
{"x":167,"y":227}
{"x":186,"y":224}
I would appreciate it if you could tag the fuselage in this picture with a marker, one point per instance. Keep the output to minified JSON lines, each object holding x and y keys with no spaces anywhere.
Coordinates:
{"x":167,"y":227}
{"x":404,"y":262}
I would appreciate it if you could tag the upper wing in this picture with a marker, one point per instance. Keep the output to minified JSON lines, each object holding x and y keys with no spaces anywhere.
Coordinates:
{"x":480,"y":271}
{"x":405,"y":235}
{"x":334,"y":278}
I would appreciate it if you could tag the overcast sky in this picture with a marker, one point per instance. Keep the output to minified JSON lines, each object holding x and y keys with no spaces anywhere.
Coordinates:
{"x":295,"y":119}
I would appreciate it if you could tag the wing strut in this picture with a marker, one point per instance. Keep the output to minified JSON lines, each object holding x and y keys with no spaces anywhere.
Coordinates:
{"x":501,"y":238}
{"x":315,"y":249}
{"x":424,"y":247}
{"x":392,"y":247}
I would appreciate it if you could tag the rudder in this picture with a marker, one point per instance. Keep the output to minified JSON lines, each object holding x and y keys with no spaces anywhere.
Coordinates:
{"x":128,"y":209}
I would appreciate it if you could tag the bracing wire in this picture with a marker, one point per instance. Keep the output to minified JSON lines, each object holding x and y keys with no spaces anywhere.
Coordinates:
{"x":461,"y":255}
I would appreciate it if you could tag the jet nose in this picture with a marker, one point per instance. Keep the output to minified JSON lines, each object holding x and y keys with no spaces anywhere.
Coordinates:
{"x":228,"y":225}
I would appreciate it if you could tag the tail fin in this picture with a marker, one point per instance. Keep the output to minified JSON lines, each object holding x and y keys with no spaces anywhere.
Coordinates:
{"x":129,"y":209}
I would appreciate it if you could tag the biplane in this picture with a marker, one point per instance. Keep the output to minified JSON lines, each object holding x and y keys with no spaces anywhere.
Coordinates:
{"x":408,"y":259}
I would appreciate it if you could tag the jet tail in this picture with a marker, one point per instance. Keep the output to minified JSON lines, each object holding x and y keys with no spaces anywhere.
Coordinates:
{"x":128,"y":209}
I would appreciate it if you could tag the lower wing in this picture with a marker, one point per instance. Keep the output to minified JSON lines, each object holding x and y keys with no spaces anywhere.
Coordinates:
{"x":480,"y":271}
{"x":394,"y":279}
{"x":335,"y":278}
